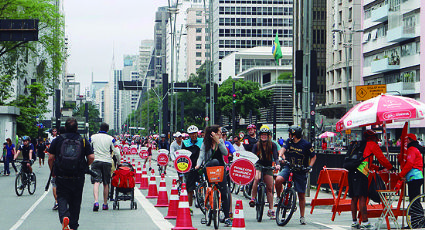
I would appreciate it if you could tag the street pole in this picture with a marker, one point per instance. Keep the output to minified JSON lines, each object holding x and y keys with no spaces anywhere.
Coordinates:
{"x":233,"y":111}
{"x":172,"y":10}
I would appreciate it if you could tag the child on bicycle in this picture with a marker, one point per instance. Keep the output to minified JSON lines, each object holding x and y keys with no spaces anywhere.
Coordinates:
{"x":266,"y":151}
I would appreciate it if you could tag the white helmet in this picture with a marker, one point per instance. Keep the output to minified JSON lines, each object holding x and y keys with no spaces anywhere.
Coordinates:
{"x":192,"y":129}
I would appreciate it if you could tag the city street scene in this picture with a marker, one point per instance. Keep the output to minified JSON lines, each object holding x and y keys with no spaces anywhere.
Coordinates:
{"x":212,"y":114}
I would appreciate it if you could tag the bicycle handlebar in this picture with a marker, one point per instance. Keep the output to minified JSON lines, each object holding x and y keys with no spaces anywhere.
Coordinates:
{"x":297,"y":167}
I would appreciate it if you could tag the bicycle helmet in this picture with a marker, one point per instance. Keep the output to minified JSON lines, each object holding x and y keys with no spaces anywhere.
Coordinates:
{"x":295,"y":130}
{"x":26,"y":138}
{"x":224,"y":130}
{"x":192,"y":129}
{"x":163,"y":136}
{"x":265,"y":129}
{"x":251,"y":126}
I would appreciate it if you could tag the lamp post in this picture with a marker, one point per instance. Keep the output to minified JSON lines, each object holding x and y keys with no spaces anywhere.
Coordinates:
{"x":172,"y":10}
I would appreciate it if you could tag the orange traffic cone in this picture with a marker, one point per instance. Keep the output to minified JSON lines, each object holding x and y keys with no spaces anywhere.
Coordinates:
{"x":144,"y":180}
{"x":174,"y":202}
{"x":184,"y":221}
{"x":238,"y":218}
{"x":162,"y":194}
{"x":133,"y":162}
{"x":153,"y":191}
{"x":139,"y":173}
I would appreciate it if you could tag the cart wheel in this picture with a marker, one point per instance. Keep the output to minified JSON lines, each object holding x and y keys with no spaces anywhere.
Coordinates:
{"x":118,"y":206}
{"x":114,"y":206}
{"x":135,"y":205}
{"x":131,"y":205}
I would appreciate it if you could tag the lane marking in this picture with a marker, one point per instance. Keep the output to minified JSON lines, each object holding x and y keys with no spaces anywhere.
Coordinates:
{"x":336,"y":227}
{"x":30,"y":210}
{"x":153,"y":213}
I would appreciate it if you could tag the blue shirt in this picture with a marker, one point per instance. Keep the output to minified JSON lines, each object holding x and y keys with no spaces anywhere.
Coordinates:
{"x":9,"y":150}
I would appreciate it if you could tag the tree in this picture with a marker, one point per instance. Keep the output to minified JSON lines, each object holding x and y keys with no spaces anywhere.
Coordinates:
{"x":93,"y":115}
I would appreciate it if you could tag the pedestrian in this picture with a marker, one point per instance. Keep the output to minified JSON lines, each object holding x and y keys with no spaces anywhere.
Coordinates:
{"x":10,"y":153}
{"x":163,"y":144}
{"x":69,"y":156}
{"x":41,"y":147}
{"x":358,"y":179}
{"x":193,"y":144}
{"x":103,"y":146}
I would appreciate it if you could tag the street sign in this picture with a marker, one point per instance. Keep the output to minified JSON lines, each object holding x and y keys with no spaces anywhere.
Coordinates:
{"x":207,"y":118}
{"x":143,"y":152}
{"x":366,"y":92}
{"x":242,"y":171}
{"x":19,"y":30}
{"x":182,"y":164}
{"x":348,"y":131}
{"x":162,"y":159}
{"x":245,"y":155}
{"x":186,"y":87}
{"x":133,"y":150}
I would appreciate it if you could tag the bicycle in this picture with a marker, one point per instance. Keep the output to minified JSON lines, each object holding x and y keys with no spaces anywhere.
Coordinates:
{"x":415,"y":212}
{"x":25,"y":179}
{"x":212,"y":202}
{"x":286,"y":205}
{"x":200,"y":191}
{"x":261,"y":193}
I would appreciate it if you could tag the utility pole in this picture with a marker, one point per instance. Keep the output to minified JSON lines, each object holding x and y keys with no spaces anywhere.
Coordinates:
{"x":172,"y":10}
{"x":233,"y":110}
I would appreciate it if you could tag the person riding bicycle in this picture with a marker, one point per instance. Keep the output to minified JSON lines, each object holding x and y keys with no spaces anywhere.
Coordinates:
{"x":212,"y":154}
{"x":267,"y":153}
{"x":250,"y":139}
{"x":176,"y":145}
{"x":229,"y":146}
{"x":163,"y":144}
{"x":149,"y":158}
{"x":297,"y":151}
{"x":27,"y":150}
{"x":193,"y":144}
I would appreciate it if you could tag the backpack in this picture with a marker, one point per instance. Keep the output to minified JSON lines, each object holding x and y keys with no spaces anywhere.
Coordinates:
{"x":70,"y":160}
{"x":355,"y":155}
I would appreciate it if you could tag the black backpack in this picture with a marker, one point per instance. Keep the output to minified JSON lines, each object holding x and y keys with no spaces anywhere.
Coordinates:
{"x":355,"y":155}
{"x":70,"y":160}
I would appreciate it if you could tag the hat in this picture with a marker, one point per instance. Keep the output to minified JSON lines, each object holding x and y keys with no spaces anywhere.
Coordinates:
{"x":412,"y":136}
{"x":177,"y":134}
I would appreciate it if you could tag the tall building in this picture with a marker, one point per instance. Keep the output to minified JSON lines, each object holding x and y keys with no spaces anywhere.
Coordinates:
{"x":115,"y":107}
{"x":160,"y":44}
{"x":343,"y":54}
{"x":128,"y":99}
{"x":247,"y":24}
{"x":392,"y":51}
{"x":145,"y":54}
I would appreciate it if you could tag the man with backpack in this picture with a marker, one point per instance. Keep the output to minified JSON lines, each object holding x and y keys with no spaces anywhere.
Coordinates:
{"x":70,"y":155}
{"x":358,"y":175}
{"x":103,"y":146}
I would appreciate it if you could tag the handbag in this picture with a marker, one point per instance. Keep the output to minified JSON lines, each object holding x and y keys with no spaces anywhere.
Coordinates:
{"x":376,"y":184}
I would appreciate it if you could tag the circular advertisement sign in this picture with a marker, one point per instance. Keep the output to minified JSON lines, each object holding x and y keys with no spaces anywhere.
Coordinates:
{"x":133,"y":151}
{"x":125,"y":149}
{"x":162,"y":159}
{"x":183,"y":164}
{"x":242,"y":171}
{"x":143,"y":152}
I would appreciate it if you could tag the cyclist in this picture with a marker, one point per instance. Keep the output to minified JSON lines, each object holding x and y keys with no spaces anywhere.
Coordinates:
{"x":237,"y":144}
{"x":212,"y":153}
{"x":250,"y":139}
{"x":176,"y":145}
{"x":298,"y":152}
{"x":228,"y":158}
{"x":163,"y":144}
{"x":27,"y":150}
{"x":149,"y":146}
{"x":266,"y":151}
{"x":193,"y":144}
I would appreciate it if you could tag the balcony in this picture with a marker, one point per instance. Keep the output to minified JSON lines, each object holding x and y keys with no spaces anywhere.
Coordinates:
{"x":383,"y":65}
{"x":400,"y":34}
{"x":409,"y":5}
{"x":380,"y":14}
{"x":405,"y":88}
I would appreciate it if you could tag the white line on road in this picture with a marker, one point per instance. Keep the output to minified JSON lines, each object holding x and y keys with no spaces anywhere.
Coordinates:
{"x":23,"y":217}
{"x":154,"y":214}
{"x":336,"y":227}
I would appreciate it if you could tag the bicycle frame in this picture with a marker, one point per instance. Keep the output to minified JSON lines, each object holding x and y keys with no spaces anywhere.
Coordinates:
{"x":209,"y":196}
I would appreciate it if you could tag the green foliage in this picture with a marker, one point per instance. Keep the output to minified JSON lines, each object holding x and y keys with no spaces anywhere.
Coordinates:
{"x":5,"y":89}
{"x":93,"y":114}
{"x":285,"y":76}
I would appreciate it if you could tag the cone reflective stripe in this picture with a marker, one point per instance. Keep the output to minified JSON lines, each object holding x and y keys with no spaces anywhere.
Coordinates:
{"x":139,"y":174}
{"x":162,"y":194}
{"x":238,"y":218}
{"x":133,"y":162}
{"x":174,"y":202}
{"x":153,"y":191}
{"x":144,"y":180}
{"x":184,"y":221}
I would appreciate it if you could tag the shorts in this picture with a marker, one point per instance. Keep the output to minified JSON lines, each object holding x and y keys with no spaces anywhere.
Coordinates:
{"x":191,"y":178}
{"x":103,"y":170}
{"x":41,"y":155}
{"x":53,"y":181}
{"x":267,"y":172}
{"x":357,"y":184}
{"x":299,"y":179}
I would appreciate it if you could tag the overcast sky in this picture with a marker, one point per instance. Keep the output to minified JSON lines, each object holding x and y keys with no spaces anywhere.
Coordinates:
{"x":96,"y":28}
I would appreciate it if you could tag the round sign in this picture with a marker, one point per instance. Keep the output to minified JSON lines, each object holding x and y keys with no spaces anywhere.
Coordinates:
{"x":125,"y":149}
{"x":242,"y":171}
{"x":133,"y":151}
{"x":182,"y":164}
{"x":162,"y":159}
{"x":144,"y":152}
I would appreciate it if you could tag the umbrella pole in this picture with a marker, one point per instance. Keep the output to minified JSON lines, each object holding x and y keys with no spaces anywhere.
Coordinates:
{"x":386,"y":140}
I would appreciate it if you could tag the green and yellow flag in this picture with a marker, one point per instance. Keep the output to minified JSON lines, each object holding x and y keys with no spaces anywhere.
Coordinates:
{"x":277,"y":52}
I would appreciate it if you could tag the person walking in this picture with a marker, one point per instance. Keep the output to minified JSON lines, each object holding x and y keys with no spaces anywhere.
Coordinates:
{"x":163,"y":144}
{"x":103,"y":146}
{"x":41,"y":147}
{"x":69,"y":156}
{"x":10,"y":153}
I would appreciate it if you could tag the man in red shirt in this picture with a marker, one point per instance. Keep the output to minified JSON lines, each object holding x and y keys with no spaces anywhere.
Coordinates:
{"x":358,"y":179}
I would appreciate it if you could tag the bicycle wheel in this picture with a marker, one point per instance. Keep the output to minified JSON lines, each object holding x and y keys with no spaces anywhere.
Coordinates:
{"x":200,"y":195}
{"x":247,"y":190}
{"x":261,"y":194}
{"x":237,"y":189}
{"x":286,"y":207}
{"x":215,"y":210}
{"x":232,"y":185}
{"x":32,"y":182}
{"x":415,"y":213}
{"x":19,"y":184}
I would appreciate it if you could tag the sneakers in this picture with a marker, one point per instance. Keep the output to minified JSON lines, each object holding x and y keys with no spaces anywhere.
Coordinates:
{"x":367,"y":226}
{"x":191,"y":211}
{"x":105,"y":207}
{"x":302,"y":220}
{"x":55,"y":207}
{"x":228,"y":222}
{"x":96,"y":207}
{"x":271,"y":214}
{"x":252,"y":202}
{"x":355,"y":225}
{"x":65,"y":223}
{"x":276,"y":201}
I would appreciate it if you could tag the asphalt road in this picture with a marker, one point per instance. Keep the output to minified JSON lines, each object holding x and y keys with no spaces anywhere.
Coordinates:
{"x":35,"y":212}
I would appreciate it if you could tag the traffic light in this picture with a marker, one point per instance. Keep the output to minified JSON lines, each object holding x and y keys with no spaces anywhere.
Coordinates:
{"x":234,"y":98}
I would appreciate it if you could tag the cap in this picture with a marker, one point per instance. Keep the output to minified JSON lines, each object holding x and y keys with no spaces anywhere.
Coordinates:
{"x":412,"y":136}
{"x":177,"y":134}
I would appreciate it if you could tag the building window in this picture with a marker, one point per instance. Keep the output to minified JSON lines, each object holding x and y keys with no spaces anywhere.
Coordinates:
{"x":198,"y":13}
{"x":198,"y":62}
{"x":198,"y":38}
{"x":350,"y":14}
{"x":198,"y":46}
{"x":198,"y":30}
{"x":198,"y":54}
{"x":198,"y":21}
